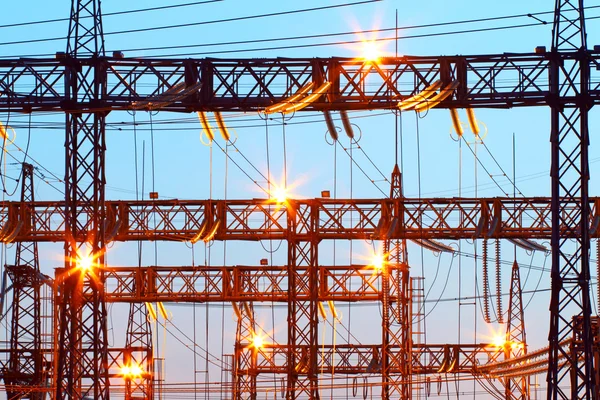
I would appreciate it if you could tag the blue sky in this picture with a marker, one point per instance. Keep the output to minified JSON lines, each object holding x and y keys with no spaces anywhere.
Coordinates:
{"x":183,"y":169}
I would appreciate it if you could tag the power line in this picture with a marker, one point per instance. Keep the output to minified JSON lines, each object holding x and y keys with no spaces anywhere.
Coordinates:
{"x":233,"y":19}
{"x":48,"y":21}
{"x":334,"y":34}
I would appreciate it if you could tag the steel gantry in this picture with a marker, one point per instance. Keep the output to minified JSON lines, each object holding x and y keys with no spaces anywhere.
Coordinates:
{"x":86,"y":85}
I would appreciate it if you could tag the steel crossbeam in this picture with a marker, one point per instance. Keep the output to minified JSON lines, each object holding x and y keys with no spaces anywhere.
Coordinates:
{"x":502,"y":80}
{"x":181,"y":220}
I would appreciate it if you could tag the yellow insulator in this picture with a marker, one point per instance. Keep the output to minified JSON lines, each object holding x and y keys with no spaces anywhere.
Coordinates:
{"x":277,"y":107}
{"x":236,"y":310}
{"x":163,"y":310}
{"x":346,"y":124}
{"x":330,"y":125}
{"x":438,"y":98}
{"x":212,"y":232}
{"x":3,"y":133}
{"x":456,"y":122}
{"x":322,"y":310}
{"x":206,"y":128}
{"x":151,"y":311}
{"x":424,"y":95}
{"x":332,"y":308}
{"x":473,"y":121}
{"x":308,"y":100}
{"x":221,"y":125}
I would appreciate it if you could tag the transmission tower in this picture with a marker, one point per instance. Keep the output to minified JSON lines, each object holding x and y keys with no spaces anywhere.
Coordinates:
{"x":138,"y":357}
{"x":82,"y":338}
{"x":515,"y":388}
{"x":396,"y":322}
{"x":572,"y":377}
{"x":24,"y":376}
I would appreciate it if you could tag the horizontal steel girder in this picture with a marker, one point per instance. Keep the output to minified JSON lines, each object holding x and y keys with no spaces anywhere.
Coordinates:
{"x":253,"y":220}
{"x":185,"y":85}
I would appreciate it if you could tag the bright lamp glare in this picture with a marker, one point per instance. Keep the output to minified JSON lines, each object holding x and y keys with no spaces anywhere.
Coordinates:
{"x":85,"y":262}
{"x":279,"y":194}
{"x":378,"y":262}
{"x":131,"y":371}
{"x":499,"y":341}
{"x":257,"y":342}
{"x":370,"y":51}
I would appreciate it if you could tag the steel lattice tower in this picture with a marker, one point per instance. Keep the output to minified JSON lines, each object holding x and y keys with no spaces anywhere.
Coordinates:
{"x":395,"y":305}
{"x":82,"y":343}
{"x":570,"y":293}
{"x":516,"y":388}
{"x":25,"y":374}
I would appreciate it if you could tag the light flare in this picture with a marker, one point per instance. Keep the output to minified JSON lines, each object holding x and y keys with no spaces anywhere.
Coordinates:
{"x":279,"y":194}
{"x":257,"y":341}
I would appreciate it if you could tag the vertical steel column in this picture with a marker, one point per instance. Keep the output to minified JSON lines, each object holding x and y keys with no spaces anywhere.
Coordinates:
{"x":139,"y":352}
{"x":82,"y":318}
{"x":244,"y":369}
{"x":515,"y":388}
{"x":570,"y":103}
{"x":25,"y":362}
{"x":395,"y":365}
{"x":302,"y":304}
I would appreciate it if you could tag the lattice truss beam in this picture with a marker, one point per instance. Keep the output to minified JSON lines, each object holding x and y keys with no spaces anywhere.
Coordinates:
{"x":505,"y":80}
{"x":177,"y":220}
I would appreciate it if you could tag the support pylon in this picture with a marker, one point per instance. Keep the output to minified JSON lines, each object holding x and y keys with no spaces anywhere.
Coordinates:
{"x":515,"y":388}
{"x":81,"y":361}
{"x":139,"y":354}
{"x":303,"y":314}
{"x":244,"y":368}
{"x":396,"y":322}
{"x":24,"y":377}
{"x":570,"y":372}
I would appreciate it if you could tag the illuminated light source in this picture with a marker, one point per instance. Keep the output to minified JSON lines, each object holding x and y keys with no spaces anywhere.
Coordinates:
{"x":279,"y":194}
{"x":438,"y":98}
{"x":131,"y":371}
{"x":499,"y":341}
{"x":85,"y":262}
{"x":295,"y":97}
{"x":221,"y":125}
{"x":412,"y":101}
{"x":378,"y":262}
{"x":370,"y":51}
{"x":473,"y":121}
{"x":206,"y":128}
{"x":257,"y":342}
{"x":136,"y":370}
{"x":456,"y":122}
